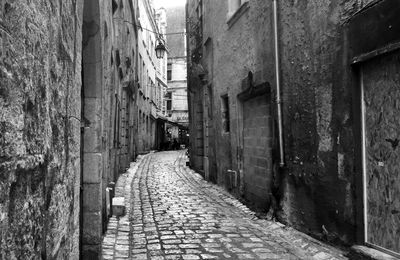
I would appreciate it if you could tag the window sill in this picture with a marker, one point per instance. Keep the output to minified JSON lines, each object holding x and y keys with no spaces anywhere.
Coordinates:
{"x":236,"y":15}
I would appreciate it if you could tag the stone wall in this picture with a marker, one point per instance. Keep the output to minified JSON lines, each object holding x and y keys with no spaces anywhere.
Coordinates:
{"x":109,"y":108}
{"x":48,"y":51}
{"x":40,"y":56}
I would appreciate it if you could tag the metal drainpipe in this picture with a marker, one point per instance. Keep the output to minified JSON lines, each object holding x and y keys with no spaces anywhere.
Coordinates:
{"x":278,"y":84}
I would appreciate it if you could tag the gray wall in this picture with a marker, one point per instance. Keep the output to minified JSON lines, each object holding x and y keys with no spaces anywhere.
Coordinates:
{"x":316,"y":188}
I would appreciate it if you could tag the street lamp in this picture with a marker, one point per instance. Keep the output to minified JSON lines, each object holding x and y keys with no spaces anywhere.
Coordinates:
{"x":160,"y":50}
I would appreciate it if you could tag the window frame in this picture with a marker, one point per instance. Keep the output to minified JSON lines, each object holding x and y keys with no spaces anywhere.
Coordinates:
{"x":236,"y":8}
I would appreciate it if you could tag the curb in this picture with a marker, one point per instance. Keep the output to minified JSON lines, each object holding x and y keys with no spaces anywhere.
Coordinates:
{"x":115,"y":242}
{"x":359,"y":252}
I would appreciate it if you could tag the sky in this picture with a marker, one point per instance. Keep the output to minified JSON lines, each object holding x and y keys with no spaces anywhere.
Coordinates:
{"x":168,"y":3}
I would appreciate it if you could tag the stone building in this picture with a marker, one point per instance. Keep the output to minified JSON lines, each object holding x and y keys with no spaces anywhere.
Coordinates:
{"x":296,"y":100}
{"x":73,"y":110}
{"x":150,"y":77}
{"x":161,"y":77}
{"x":176,"y":96}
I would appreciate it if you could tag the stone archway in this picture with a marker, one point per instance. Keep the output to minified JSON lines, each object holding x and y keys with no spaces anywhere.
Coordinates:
{"x":91,"y":140}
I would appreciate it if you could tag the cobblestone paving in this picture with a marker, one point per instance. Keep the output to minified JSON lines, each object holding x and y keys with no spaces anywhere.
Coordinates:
{"x":174,"y":214}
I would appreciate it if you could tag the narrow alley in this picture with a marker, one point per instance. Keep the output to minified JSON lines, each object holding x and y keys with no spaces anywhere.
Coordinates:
{"x":199,"y":129}
{"x":172,"y":213}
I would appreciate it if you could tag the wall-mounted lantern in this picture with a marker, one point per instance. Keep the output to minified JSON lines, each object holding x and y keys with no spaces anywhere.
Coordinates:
{"x":160,"y":50}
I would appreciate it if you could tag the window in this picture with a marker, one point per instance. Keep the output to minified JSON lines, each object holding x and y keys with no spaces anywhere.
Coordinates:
{"x":235,"y":10}
{"x":199,"y":10}
{"x":148,"y":87}
{"x":140,"y":70}
{"x":168,"y":100}
{"x":143,"y":69}
{"x":234,"y":5}
{"x":152,"y":49}
{"x":147,"y":124}
{"x":169,"y":71}
{"x":225,"y":114}
{"x":116,"y":123}
{"x":200,"y":15}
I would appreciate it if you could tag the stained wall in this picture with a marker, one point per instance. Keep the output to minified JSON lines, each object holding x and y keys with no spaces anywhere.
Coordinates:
{"x":316,"y":189}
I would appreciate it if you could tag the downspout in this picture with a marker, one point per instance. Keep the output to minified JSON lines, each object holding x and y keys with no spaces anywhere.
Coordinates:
{"x":278,"y":84}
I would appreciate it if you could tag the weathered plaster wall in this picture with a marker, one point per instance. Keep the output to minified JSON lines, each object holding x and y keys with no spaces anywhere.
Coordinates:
{"x":317,"y":82}
{"x":315,"y":191}
{"x":236,"y":49}
{"x":40,"y":83}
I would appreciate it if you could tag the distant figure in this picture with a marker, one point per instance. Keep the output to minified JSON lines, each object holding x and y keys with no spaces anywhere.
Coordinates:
{"x":175,"y":145}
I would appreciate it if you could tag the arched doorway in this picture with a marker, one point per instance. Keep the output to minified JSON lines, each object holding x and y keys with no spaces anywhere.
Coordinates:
{"x":91,"y":137}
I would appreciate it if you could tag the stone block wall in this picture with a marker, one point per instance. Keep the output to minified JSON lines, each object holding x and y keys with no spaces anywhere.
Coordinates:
{"x":40,"y":71}
{"x":109,"y":108}
{"x":257,"y":170}
{"x":56,"y":59}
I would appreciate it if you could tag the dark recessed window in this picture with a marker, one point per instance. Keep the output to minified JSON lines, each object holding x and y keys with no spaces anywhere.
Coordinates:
{"x":225,"y":114}
{"x":169,"y":71}
{"x":117,"y":58}
{"x":114,"y":6}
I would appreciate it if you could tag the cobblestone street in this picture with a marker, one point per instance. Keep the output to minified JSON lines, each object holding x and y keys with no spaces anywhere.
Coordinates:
{"x":172,"y":213}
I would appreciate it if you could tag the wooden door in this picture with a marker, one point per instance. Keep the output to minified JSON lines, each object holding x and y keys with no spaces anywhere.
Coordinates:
{"x":380,"y":81}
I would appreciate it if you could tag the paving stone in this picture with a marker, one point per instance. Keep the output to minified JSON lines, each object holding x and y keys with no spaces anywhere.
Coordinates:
{"x":139,"y":256}
{"x":170,"y":246}
{"x":138,"y":251}
{"x":172,"y":241}
{"x":173,"y":251}
{"x":189,"y":245}
{"x":153,"y":246}
{"x":207,"y":256}
{"x":190,"y":257}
